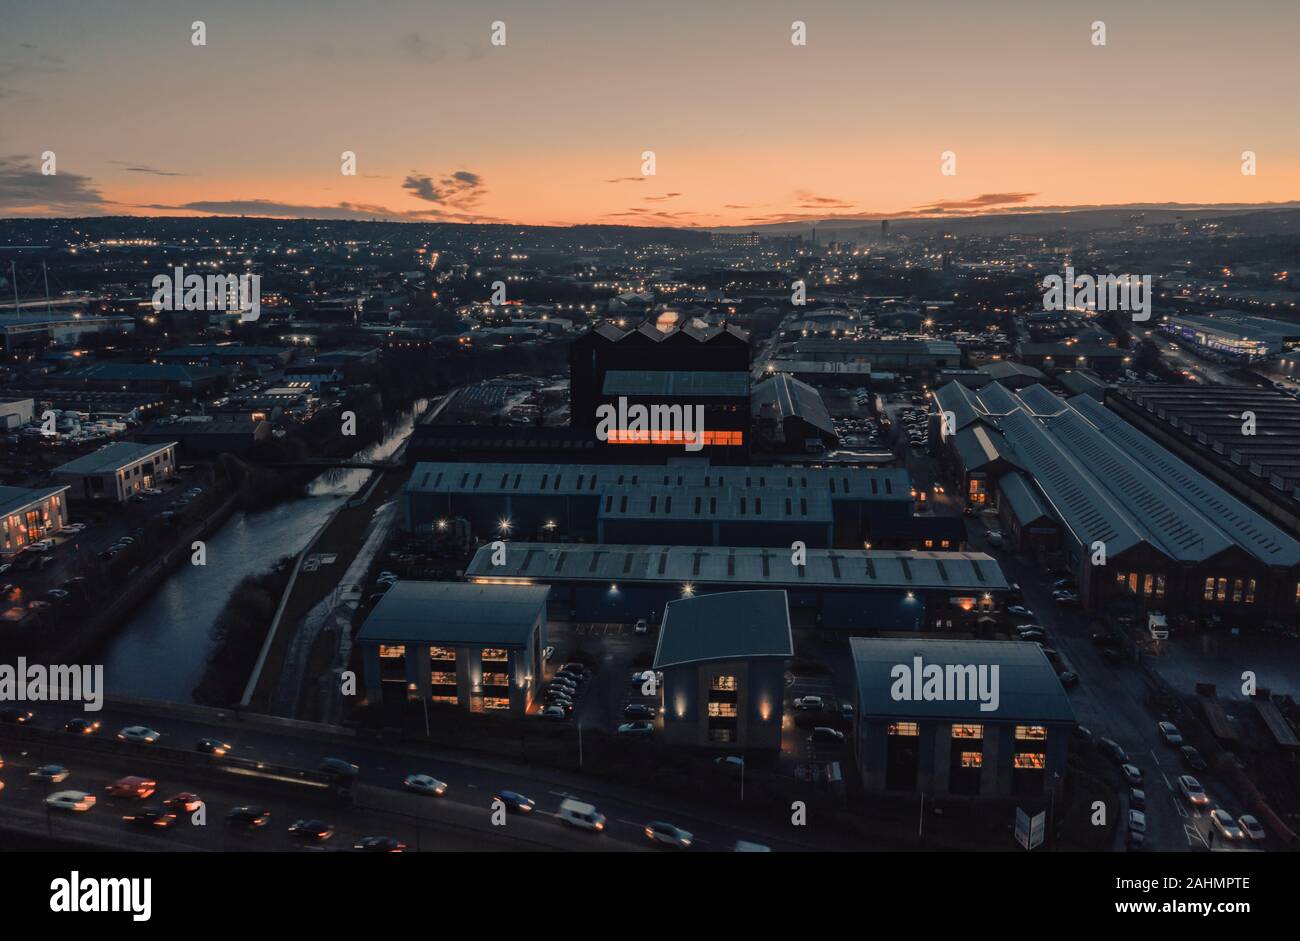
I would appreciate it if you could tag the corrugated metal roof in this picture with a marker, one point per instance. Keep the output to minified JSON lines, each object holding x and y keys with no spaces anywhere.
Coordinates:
{"x":702,"y":565}
{"x":1041,"y":401}
{"x":1027,"y":687}
{"x":14,"y":499}
{"x":112,"y":457}
{"x":793,"y":398}
{"x":454,"y":613}
{"x":977,"y":447}
{"x":1023,"y":498}
{"x":772,"y":503}
{"x":725,"y":625}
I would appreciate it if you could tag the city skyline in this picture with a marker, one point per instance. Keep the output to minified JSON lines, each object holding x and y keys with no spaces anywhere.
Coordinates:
{"x":550,"y":128}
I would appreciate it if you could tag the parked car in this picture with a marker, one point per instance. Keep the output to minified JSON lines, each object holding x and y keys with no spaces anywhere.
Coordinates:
{"x":809,"y":704}
{"x":1137,"y":798}
{"x":1113,"y":750}
{"x":824,"y":735}
{"x":1069,"y":679}
{"x":554,"y":713}
{"x":642,"y":626}
{"x":638,"y":711}
{"x":1193,"y":759}
{"x":1132,"y":774}
{"x":636,"y":728}
{"x":1169,"y":732}
{"x":1019,"y":611}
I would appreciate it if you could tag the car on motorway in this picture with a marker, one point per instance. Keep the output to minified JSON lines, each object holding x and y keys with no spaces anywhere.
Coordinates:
{"x":425,"y":784}
{"x":515,"y":802}
{"x":138,"y":734}
{"x":1169,"y":732}
{"x":311,"y":830}
{"x":1113,"y":750}
{"x":1226,"y":826}
{"x":636,"y":728}
{"x":185,"y":800}
{"x":1251,"y":827}
{"x":1193,"y":758}
{"x":580,"y":814}
{"x":1132,"y":774}
{"x":554,"y":713}
{"x":54,"y":774}
{"x":809,"y":704}
{"x":638,"y":710}
{"x":213,"y":746}
{"x":150,"y":818}
{"x":15,"y":716}
{"x":657,"y":831}
{"x":379,"y":844}
{"x":78,"y":801}
{"x":339,"y":767}
{"x":81,"y":726}
{"x":1137,"y":798}
{"x":133,"y":786}
{"x":1192,"y":791}
{"x":248,"y":818}
{"x":825,"y":735}
{"x":58,"y":594}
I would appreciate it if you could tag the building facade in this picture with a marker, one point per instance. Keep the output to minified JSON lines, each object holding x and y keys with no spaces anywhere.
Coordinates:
{"x":118,"y":471}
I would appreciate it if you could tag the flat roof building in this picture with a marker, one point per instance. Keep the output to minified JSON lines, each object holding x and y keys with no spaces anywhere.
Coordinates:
{"x":118,"y":471}
{"x":28,"y":515}
{"x":475,"y":646}
{"x":1234,"y":334}
{"x":723,"y":659}
{"x":959,"y":718}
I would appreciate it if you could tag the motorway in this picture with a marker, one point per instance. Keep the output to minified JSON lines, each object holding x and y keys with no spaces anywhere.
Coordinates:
{"x":459,"y":820}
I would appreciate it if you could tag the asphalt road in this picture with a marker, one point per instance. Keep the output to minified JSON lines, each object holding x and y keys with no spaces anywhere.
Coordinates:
{"x":1111,"y":701}
{"x":472,"y":781}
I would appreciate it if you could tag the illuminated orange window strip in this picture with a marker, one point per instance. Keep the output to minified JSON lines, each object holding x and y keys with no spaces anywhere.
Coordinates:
{"x":725,"y":438}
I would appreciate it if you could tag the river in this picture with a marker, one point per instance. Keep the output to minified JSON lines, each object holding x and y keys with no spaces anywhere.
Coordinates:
{"x":161,"y":651}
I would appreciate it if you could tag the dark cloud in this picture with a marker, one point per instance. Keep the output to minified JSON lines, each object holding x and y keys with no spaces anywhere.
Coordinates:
{"x":461,"y":190}
{"x":983,"y":201}
{"x":809,"y":200}
{"x":140,"y":168}
{"x":24,"y":189}
{"x":627,"y":179}
{"x":660,"y":199}
{"x":270,"y":207}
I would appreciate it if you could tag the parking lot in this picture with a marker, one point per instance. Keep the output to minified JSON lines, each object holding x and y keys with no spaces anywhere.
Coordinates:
{"x":612,"y":651}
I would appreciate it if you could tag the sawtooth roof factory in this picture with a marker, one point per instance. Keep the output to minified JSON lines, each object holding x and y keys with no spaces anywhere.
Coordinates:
{"x":1171,"y":538}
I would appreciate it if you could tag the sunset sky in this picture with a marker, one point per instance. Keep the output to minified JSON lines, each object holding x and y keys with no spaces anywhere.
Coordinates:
{"x":549,"y":129}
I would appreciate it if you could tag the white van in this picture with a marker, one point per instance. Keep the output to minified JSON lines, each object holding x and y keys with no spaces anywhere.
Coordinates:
{"x":577,"y":814}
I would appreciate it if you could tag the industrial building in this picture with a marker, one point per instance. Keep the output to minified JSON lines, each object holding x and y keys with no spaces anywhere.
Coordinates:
{"x":1137,"y":523}
{"x":14,"y":413}
{"x":912,"y":355}
{"x":475,"y":646}
{"x":205,"y":435}
{"x":174,"y":379}
{"x":1107,"y":361}
{"x":648,"y":347}
{"x":822,"y":373}
{"x":688,"y":502}
{"x":64,"y":328}
{"x":959,"y":719}
{"x":791,"y":416}
{"x":723,"y":658}
{"x":1207,"y":427}
{"x":118,"y":471}
{"x":30,"y":515}
{"x":1234,"y":334}
{"x":838,"y":589}
{"x":712,"y":405}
